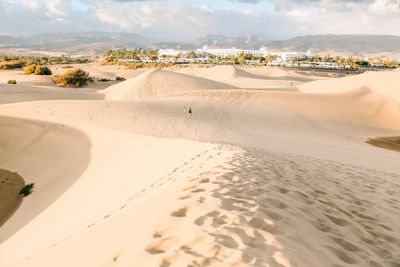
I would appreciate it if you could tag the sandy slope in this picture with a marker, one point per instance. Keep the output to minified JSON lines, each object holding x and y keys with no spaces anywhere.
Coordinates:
{"x":386,"y":83}
{"x":12,"y":93}
{"x":156,"y":83}
{"x":52,"y":156}
{"x":287,"y":179}
{"x":10,"y":199}
{"x":256,"y":78}
{"x":95,"y":69}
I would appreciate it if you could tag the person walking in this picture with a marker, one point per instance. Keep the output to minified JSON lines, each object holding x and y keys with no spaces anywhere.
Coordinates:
{"x":190,"y":112}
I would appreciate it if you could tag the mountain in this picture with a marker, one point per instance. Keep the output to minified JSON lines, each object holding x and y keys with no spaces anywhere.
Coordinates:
{"x":82,"y":42}
{"x":97,"y":42}
{"x":354,"y":44}
{"x":340,"y":44}
{"x":253,"y":41}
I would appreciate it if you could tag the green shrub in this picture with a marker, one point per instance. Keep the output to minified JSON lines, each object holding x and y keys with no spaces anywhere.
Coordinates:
{"x":26,"y":190}
{"x":37,"y":70}
{"x":12,"y":82}
{"x":73,"y":78}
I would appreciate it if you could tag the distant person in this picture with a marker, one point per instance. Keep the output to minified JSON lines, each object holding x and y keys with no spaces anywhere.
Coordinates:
{"x":190,"y":113}
{"x":291,"y":83}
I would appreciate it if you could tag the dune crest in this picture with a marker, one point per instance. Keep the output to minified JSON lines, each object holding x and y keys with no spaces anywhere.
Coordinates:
{"x":157,"y":82}
{"x":385,"y":83}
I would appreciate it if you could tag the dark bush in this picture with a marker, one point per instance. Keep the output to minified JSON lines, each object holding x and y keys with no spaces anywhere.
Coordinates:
{"x":26,"y":190}
{"x":120,"y":78}
{"x":12,"y":82}
{"x":102,"y":79}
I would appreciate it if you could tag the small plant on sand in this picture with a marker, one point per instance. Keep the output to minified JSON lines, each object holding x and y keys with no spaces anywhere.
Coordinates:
{"x":37,"y":70}
{"x":73,"y":78}
{"x":102,"y":79}
{"x":120,"y":78}
{"x":26,"y":190}
{"x":12,"y":82}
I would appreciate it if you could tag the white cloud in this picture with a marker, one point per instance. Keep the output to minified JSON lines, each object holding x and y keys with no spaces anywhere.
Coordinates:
{"x":154,"y":15}
{"x":57,"y":9}
{"x":185,"y":19}
{"x":30,"y":4}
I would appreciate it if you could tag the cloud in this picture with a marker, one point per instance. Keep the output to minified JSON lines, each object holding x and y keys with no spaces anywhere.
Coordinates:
{"x":33,"y":5}
{"x":185,"y":19}
{"x":57,"y":9}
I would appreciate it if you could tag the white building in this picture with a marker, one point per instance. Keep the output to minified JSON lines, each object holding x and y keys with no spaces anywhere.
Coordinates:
{"x":262,"y":52}
{"x":227,"y":52}
{"x":172,"y":52}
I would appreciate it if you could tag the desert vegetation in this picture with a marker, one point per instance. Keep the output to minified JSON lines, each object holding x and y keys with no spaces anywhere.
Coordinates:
{"x":37,"y":70}
{"x":12,"y":82}
{"x":9,"y":65}
{"x":14,"y":62}
{"x":73,"y":78}
{"x":26,"y":190}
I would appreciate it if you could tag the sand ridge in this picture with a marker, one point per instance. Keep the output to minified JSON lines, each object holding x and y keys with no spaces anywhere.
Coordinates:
{"x":157,"y":82}
{"x":385,"y":83}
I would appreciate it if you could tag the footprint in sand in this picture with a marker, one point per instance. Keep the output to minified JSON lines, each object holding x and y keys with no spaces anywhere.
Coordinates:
{"x":179,"y":213}
{"x":161,"y":245}
{"x":348,"y":246}
{"x":205,"y":180}
{"x":343,"y":256}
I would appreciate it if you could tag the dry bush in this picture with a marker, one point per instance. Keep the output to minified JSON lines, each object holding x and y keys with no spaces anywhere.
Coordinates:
{"x":9,"y":65}
{"x":73,"y":78}
{"x":37,"y":70}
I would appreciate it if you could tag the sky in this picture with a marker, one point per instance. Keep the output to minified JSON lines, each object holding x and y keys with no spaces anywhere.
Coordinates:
{"x":186,"y":19}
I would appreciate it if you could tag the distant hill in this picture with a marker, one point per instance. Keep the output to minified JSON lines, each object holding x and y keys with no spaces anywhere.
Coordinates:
{"x":354,"y":44}
{"x":98,"y":42}
{"x":83,"y":42}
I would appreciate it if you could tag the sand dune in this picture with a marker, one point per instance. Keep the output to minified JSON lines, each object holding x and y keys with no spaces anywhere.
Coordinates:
{"x":387,"y":142}
{"x":385,"y":83}
{"x":50,"y":155}
{"x":95,"y":69}
{"x":10,"y":185}
{"x":13,"y":93}
{"x":255,"y":78}
{"x":156,"y":83}
{"x":254,"y":178}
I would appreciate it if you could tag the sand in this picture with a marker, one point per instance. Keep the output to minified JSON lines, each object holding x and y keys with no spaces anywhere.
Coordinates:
{"x":387,"y":142}
{"x":10,"y":185}
{"x":385,"y":83}
{"x":259,"y":176}
{"x":95,"y":70}
{"x":157,"y":82}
